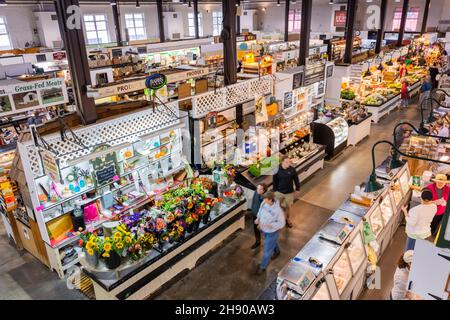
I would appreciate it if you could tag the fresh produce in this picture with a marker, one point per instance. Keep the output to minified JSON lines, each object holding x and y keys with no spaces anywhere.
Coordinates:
{"x":348,"y":94}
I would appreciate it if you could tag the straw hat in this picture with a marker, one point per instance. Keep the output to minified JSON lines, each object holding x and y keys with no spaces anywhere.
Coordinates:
{"x":441,"y":178}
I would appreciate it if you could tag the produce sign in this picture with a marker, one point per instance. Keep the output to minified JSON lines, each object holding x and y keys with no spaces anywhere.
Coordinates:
{"x":156,"y":81}
{"x":27,"y":96}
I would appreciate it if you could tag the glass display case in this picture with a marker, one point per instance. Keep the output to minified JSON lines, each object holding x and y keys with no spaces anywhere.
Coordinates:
{"x":342,"y":272}
{"x":387,"y":211}
{"x":404,"y":182}
{"x":376,"y":221}
{"x":357,"y":252}
{"x":340,"y":129}
{"x":331,"y":133}
{"x":323,"y":293}
{"x":397,"y":193}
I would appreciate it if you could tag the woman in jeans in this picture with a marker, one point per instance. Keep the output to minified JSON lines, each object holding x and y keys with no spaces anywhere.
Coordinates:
{"x":258,"y":198}
{"x":418,"y":219}
{"x":270,"y":220}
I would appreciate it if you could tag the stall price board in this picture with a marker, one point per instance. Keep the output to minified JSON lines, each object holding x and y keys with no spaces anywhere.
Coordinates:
{"x":26,"y":96}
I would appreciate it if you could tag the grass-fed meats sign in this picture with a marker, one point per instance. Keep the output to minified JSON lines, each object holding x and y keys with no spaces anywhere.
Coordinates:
{"x":26,"y":96}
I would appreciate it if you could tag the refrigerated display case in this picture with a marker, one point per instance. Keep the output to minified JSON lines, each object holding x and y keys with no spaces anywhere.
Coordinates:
{"x":357,"y":252}
{"x":387,"y":211}
{"x":323,"y":293}
{"x":331,"y":133}
{"x":376,"y":221}
{"x":342,"y":272}
{"x":404,"y":182}
{"x":397,"y":193}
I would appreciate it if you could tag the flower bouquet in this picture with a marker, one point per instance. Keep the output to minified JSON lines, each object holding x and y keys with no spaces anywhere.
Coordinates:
{"x":91,"y":245}
{"x":176,"y":234}
{"x":115,"y":247}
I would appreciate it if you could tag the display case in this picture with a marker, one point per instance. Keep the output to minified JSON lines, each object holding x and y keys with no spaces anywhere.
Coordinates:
{"x":342,"y":272}
{"x":387,"y":209}
{"x":323,"y":293}
{"x":357,"y":252}
{"x":397,"y":193}
{"x":404,"y":182}
{"x":376,"y":221}
{"x":332,"y":133}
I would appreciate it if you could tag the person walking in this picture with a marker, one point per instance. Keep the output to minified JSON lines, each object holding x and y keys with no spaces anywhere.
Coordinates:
{"x":440,"y":191}
{"x":283,"y":186}
{"x":270,"y":221}
{"x":400,"y":289}
{"x":418,"y":219}
{"x":258,"y":198}
{"x":425,"y":90}
{"x":434,"y":71}
{"x":405,"y":94}
{"x":401,"y":133}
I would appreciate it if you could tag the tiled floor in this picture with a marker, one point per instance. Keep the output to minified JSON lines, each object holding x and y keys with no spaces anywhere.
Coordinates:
{"x":229,"y":272}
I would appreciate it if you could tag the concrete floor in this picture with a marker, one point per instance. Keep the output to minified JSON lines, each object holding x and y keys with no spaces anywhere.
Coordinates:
{"x":229,"y":273}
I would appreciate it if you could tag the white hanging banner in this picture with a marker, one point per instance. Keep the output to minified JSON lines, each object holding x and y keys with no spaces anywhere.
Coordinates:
{"x":25,"y":96}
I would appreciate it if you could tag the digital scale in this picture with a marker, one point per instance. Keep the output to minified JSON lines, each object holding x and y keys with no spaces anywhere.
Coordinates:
{"x":335,"y":231}
{"x":298,"y":276}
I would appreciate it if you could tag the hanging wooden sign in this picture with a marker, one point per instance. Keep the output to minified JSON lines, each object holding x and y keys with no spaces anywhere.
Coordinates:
{"x":50,"y":165}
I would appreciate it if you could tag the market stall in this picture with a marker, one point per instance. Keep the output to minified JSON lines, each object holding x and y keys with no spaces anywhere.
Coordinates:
{"x":115,"y":168}
{"x":334,"y":264}
{"x":376,"y":83}
{"x":356,"y":115}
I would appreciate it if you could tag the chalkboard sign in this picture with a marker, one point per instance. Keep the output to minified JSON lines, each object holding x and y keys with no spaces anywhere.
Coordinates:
{"x":288,"y":100}
{"x":105,"y":168}
{"x":298,"y":80}
{"x":106,"y":174}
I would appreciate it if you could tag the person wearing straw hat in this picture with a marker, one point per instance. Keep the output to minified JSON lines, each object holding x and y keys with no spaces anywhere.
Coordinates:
{"x":440,"y":191}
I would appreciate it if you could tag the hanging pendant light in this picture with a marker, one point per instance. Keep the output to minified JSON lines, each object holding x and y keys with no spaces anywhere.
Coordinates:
{"x":138,"y":5}
{"x":278,"y":3}
{"x":113,"y":2}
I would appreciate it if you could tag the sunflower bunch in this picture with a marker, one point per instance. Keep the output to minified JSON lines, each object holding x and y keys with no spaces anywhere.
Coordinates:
{"x":90,"y":242}
{"x":121,"y":239}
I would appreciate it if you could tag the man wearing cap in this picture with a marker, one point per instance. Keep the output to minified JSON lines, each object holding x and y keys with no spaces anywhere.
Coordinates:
{"x":440,"y":191}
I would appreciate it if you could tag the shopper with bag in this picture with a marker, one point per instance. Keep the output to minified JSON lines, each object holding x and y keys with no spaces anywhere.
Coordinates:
{"x":283,"y":186}
{"x":270,"y":221}
{"x":418,"y":219}
{"x":440,"y":191}
{"x":400,"y":289}
{"x":258,"y":198}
